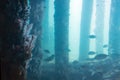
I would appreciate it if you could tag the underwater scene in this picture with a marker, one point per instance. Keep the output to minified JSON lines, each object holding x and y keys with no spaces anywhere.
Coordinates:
{"x":80,"y":41}
{"x":60,"y":39}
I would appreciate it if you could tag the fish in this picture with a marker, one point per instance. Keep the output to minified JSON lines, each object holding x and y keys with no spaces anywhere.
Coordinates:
{"x":50,"y":58}
{"x":105,"y":46}
{"x":69,"y":50}
{"x":75,"y":62}
{"x":92,"y":36}
{"x":91,"y":53}
{"x":97,"y":5}
{"x":101,"y":56}
{"x":46,"y":51}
